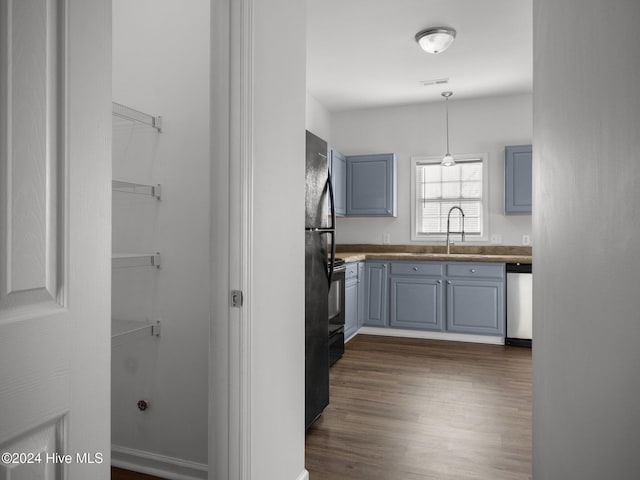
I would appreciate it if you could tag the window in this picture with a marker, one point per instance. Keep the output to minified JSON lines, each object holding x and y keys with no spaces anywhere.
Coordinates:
{"x":435,"y":189}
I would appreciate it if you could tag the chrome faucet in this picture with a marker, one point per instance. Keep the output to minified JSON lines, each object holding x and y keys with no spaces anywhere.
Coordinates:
{"x":449,"y":224}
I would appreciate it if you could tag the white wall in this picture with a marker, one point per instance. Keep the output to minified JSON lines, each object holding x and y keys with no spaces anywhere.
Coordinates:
{"x":587,"y":238}
{"x":318,"y":118}
{"x":475,"y":126}
{"x":161,"y":65}
{"x":277,"y":304}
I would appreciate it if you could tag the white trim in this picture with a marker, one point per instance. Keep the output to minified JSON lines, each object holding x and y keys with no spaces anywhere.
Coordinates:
{"x":158,"y":465}
{"x":221,"y":451}
{"x":303,"y":476}
{"x":485,"y":197}
{"x":246,"y":233}
{"x":231,"y":203}
{"x":452,"y":337}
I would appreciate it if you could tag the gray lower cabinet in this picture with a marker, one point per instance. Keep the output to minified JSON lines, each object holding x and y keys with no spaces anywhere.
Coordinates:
{"x":475,"y":298}
{"x":416,"y":303}
{"x":351,"y":300}
{"x":456,"y":297}
{"x":475,"y":306}
{"x":361,"y":294}
{"x":376,"y":296}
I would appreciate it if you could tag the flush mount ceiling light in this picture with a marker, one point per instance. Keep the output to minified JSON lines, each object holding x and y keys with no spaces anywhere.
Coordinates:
{"x":436,"y":39}
{"x":448,"y":160}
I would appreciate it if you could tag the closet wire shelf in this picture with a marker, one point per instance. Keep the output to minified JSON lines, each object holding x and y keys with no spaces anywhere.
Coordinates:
{"x":133,"y":115}
{"x":137,"y":188}
{"x":121,"y":260}
{"x":121,"y":329}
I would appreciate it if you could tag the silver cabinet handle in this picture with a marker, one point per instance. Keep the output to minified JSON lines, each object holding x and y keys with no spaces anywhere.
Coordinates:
{"x":415,"y":269}
{"x":473,"y":270}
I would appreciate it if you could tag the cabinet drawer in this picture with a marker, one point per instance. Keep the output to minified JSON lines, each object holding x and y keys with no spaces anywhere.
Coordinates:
{"x":475,"y":270}
{"x":432,"y":269}
{"x":351,"y":271}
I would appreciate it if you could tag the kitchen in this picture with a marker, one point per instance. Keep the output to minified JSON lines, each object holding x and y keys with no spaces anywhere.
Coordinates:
{"x":373,"y":123}
{"x":582,"y":388}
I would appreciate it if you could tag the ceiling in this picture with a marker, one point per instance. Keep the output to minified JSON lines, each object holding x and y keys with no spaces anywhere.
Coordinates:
{"x":362,"y":53}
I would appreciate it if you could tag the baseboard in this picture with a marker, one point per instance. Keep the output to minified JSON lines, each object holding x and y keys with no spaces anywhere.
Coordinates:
{"x":304,"y":475}
{"x":451,"y":337}
{"x":158,"y":465}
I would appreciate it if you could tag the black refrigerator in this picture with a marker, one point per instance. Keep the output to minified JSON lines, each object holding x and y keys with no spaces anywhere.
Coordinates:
{"x":319,"y":237}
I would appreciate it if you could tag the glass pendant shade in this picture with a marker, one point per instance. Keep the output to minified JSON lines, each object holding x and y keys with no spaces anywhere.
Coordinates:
{"x":448,"y":161}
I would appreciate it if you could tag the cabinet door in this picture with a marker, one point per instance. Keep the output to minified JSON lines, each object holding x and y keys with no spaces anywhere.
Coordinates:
{"x":518,"y":174}
{"x":361,"y":294}
{"x":339,"y":181}
{"x":376,"y":294}
{"x":416,"y":303}
{"x":475,"y":306}
{"x":350,"y":307}
{"x":371,"y":185}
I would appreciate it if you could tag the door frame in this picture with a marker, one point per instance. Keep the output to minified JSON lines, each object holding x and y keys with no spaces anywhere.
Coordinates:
{"x":231,"y":239}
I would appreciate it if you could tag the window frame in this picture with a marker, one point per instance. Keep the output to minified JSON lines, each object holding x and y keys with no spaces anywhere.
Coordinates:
{"x":437,"y":237}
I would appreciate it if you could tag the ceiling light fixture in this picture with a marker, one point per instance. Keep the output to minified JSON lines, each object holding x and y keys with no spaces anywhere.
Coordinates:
{"x":435,"y":40}
{"x":448,"y":160}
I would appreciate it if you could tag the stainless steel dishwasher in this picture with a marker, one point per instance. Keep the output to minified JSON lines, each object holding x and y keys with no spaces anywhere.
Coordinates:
{"x":519,"y":305}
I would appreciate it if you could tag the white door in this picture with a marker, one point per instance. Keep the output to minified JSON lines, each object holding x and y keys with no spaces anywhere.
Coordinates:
{"x":55,"y":210}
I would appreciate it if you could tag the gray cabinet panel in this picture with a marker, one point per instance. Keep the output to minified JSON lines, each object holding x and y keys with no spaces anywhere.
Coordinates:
{"x":476,"y":270}
{"x":432,"y":269}
{"x":371,"y":185}
{"x":350,"y":307}
{"x":376,"y":294}
{"x":361,"y":294}
{"x":351,"y":271}
{"x":339,"y":181}
{"x":475,"y":306}
{"x":416,"y":303}
{"x":518,"y":179}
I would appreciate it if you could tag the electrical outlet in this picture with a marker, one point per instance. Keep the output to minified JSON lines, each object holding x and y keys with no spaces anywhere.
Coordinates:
{"x":496,"y":239}
{"x":526,"y":240}
{"x":386,"y":238}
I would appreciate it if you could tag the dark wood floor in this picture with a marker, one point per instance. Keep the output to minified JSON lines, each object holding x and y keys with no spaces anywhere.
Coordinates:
{"x":120,"y":474}
{"x":420,"y":409}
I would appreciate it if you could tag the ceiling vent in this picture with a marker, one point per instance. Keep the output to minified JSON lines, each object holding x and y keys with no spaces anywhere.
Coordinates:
{"x":437,"y":81}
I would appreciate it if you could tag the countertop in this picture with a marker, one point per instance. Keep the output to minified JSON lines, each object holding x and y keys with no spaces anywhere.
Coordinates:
{"x":489,"y":253}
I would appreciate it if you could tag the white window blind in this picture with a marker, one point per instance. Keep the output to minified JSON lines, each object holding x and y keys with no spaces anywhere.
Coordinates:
{"x":440,"y":188}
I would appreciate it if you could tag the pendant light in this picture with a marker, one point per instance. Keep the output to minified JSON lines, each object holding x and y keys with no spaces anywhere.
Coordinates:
{"x":448,"y":160}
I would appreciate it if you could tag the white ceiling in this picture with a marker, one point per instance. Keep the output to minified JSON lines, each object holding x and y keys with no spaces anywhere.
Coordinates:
{"x":362,"y":53}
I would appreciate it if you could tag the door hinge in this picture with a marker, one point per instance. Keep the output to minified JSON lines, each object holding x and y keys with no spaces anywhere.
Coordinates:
{"x":236,"y":298}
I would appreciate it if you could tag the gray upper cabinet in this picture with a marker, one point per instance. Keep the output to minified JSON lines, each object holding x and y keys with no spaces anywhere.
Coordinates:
{"x":339,"y":181}
{"x":518,"y":176}
{"x":371,"y":185}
